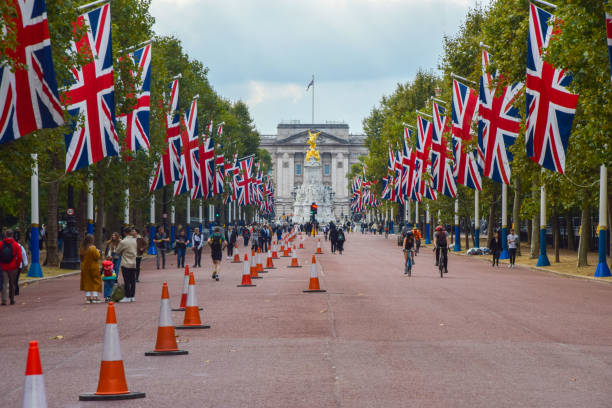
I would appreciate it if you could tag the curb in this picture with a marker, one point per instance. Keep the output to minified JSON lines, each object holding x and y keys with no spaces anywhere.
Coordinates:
{"x":541,"y":269}
{"x":29,"y":282}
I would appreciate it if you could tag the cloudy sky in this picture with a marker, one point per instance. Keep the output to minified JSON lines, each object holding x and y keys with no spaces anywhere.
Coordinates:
{"x":265,"y":52}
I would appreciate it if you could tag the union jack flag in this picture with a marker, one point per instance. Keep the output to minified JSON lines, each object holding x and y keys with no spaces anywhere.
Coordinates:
{"x":28,"y":97}
{"x":386,"y":189}
{"x":498,"y":125}
{"x":169,"y":167}
{"x":442,"y":166}
{"x":550,"y":106}
{"x":189,"y":142}
{"x":409,"y":165}
{"x":423,"y":147}
{"x":464,"y":112}
{"x":219,"y":174}
{"x":181,"y":185}
{"x":206,"y":155}
{"x":136,"y":123}
{"x":245,"y":180}
{"x":92,"y":95}
{"x":609,"y":36}
{"x":397,"y":179}
{"x":231,"y":169}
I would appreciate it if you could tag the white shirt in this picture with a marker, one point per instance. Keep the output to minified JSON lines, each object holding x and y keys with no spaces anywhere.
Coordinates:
{"x":512,"y":241}
{"x":24,"y":257}
{"x":197,"y":241}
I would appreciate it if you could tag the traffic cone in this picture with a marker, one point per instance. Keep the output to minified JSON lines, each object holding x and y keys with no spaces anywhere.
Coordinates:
{"x":301,"y":242}
{"x":253,"y":267}
{"x":236,"y":254}
{"x":259,"y":264}
{"x":274,"y":250}
{"x":294,"y":260}
{"x":112,"y":384}
{"x":34,"y":389}
{"x":181,"y":308}
{"x":286,"y":250}
{"x":313,"y":285}
{"x":192,"y":315}
{"x":319,"y":251}
{"x":246,"y":274}
{"x":269,"y":263}
{"x":166,"y":340}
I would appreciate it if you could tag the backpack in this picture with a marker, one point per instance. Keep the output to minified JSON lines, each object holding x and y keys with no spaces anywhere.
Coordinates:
{"x":118,"y":292}
{"x":6,"y":253}
{"x":441,"y":239}
{"x":340,"y":236}
{"x":215,"y":245}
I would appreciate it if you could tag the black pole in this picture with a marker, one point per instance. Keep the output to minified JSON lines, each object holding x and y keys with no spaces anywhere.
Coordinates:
{"x":70,"y":260}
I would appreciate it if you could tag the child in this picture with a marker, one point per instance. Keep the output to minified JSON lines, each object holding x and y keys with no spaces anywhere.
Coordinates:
{"x":109,"y":277}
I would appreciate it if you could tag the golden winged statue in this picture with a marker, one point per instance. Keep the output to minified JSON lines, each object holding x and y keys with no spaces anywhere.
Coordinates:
{"x":312,"y":141}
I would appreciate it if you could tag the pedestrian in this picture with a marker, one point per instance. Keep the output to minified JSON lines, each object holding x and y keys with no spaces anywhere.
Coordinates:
{"x":340,"y":241}
{"x":111,"y":250}
{"x":495,"y":248}
{"x":10,"y":261}
{"x":140,"y":250}
{"x":232,"y":237}
{"x":513,"y":241}
{"x":108,"y":277}
{"x":128,"y":249}
{"x":246,"y":235}
{"x":22,"y":267}
{"x":217,"y":243}
{"x":180,"y":246}
{"x":197,"y":243}
{"x":91,"y":283}
{"x":417,"y":239}
{"x":161,"y":242}
{"x":255,"y":238}
{"x":333,"y":237}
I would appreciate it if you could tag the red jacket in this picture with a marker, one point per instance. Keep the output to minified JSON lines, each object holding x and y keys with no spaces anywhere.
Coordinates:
{"x":14,"y":264}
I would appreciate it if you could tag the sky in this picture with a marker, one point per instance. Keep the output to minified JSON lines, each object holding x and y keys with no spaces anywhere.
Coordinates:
{"x":264,"y":52}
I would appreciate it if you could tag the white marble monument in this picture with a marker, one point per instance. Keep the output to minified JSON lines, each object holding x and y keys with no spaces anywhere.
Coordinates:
{"x":313,"y":191}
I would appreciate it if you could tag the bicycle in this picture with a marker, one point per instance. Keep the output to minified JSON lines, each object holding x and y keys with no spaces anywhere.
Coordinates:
{"x":409,"y":262}
{"x":443,"y":261}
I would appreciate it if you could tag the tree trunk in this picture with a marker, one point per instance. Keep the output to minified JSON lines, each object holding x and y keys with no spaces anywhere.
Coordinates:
{"x":99,"y":228}
{"x":535,"y":236}
{"x":585,"y":234}
{"x":52,"y":258}
{"x":556,"y":235}
{"x":23,"y":226}
{"x":491,"y":223}
{"x":529,"y":230}
{"x":516,"y":212}
{"x":81,"y":218}
{"x":570,"y":232}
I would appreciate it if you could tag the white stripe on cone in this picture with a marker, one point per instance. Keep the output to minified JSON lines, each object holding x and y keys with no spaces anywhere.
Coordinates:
{"x":34,"y":392}
{"x":245,"y":268}
{"x":192,"y":300}
{"x":112,"y":349}
{"x":253,"y":261}
{"x":186,"y":283}
{"x":313,"y":271}
{"x":165,"y":316}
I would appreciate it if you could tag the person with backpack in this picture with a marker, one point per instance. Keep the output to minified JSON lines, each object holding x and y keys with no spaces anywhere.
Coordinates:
{"x":91,"y":283}
{"x":217,"y":243}
{"x":246,"y":235}
{"x":10,"y":261}
{"x":441,"y":245}
{"x":340,"y":240}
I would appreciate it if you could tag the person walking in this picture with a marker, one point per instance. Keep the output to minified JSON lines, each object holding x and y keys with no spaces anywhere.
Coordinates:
{"x":161,"y":242}
{"x":10,"y":261}
{"x":91,"y":282}
{"x":140,"y":250}
{"x":340,"y":241}
{"x":495,"y":248}
{"x":197,"y":243}
{"x":513,"y":241}
{"x":127,"y":249}
{"x":217,"y":243}
{"x":111,"y":250}
{"x":22,"y":266}
{"x":255,"y":238}
{"x":181,"y":246}
{"x":246,"y":235}
{"x":333,"y":237}
{"x":232,"y":237}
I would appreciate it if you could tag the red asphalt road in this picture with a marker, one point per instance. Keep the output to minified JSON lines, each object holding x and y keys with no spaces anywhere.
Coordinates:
{"x":480,"y":337}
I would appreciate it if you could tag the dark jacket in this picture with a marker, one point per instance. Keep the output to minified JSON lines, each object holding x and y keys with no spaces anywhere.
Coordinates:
{"x":494,"y":245}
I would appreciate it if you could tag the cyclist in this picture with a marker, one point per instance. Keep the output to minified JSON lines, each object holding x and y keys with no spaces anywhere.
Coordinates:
{"x":417,"y":238}
{"x":408,"y":248}
{"x":441,"y":247}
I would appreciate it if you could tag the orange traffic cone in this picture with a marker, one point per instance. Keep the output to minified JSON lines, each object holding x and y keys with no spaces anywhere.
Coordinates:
{"x":192,"y":315}
{"x":166,"y":340}
{"x":112,"y":384}
{"x":259,"y":264}
{"x":319,"y":247}
{"x":236,"y":254}
{"x":301,"y":242}
{"x":246,"y":274}
{"x":313,"y":285}
{"x":34,"y":395}
{"x":181,"y":308}
{"x":274,"y":250}
{"x":286,"y":250}
{"x":253,"y":267}
{"x":294,"y":260}
{"x":269,"y":263}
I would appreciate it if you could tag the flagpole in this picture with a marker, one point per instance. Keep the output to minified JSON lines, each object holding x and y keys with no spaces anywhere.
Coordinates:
{"x":313,"y":90}
{"x":35,"y":270}
{"x":602,"y":269}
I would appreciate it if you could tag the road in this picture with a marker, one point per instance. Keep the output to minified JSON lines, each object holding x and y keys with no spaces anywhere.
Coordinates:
{"x":480,"y":337}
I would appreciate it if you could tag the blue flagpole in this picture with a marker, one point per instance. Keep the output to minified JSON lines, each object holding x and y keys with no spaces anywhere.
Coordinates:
{"x":90,"y":207}
{"x":457,"y":246}
{"x":602,"y":269}
{"x":35,"y":270}
{"x":152,"y":250}
{"x":543,"y":258}
{"x":427,"y":226}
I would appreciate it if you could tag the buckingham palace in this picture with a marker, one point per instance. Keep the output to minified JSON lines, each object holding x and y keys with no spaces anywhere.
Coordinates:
{"x":338,"y":151}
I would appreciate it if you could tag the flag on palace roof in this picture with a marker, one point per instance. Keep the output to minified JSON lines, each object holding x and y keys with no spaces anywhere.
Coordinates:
{"x":91,"y":96}
{"x":28,"y":97}
{"x":550,"y":106}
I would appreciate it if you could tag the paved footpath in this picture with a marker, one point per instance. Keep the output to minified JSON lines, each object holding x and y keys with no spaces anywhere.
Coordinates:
{"x":480,"y":337}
